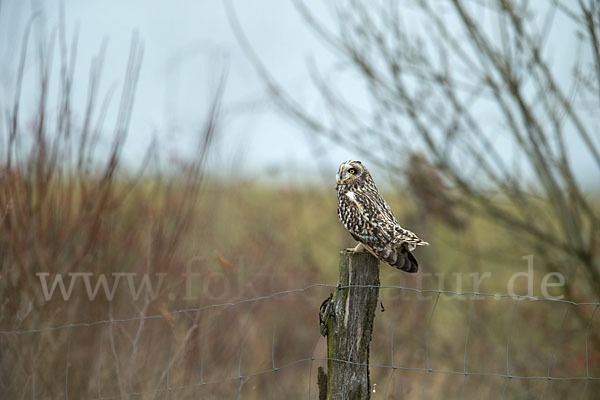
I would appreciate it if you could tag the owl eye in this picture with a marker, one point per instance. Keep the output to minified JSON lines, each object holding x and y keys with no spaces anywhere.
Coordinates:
{"x":352,"y":171}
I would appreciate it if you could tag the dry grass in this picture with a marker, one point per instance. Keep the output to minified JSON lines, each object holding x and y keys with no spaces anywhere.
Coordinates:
{"x":248,"y":242}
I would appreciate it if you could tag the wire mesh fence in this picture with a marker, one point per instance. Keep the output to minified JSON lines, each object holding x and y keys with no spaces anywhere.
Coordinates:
{"x":426,"y":343}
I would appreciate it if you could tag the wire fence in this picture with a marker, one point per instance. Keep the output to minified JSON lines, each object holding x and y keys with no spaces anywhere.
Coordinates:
{"x":163,"y":384}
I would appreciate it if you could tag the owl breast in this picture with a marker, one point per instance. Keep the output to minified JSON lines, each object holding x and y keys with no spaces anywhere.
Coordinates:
{"x":356,"y":216}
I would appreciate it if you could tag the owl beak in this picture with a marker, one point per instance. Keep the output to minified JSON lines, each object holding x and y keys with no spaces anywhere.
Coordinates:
{"x":337,"y":178}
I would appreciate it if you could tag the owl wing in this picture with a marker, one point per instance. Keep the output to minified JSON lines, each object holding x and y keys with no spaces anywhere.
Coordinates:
{"x":402,"y":235}
{"x":374,"y":221}
{"x":377,"y":226}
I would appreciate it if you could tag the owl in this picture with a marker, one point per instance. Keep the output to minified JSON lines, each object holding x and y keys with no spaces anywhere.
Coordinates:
{"x":370,"y":221}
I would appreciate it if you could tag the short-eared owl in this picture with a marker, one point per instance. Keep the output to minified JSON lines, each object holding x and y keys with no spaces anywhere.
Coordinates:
{"x":370,"y":220}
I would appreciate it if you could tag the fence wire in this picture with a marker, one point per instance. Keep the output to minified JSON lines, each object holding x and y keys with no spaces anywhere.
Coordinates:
{"x":301,"y":290}
{"x":242,"y":378}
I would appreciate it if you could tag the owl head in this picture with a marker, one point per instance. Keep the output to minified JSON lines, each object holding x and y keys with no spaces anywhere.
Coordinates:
{"x":350,"y":172}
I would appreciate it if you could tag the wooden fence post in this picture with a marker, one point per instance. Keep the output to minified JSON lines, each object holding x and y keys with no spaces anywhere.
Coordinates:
{"x":347,"y":321}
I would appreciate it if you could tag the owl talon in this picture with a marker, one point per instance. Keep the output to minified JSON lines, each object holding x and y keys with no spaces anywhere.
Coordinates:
{"x":359,"y":248}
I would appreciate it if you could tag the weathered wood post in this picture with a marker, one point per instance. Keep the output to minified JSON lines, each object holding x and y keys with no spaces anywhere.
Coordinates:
{"x":347,"y":321}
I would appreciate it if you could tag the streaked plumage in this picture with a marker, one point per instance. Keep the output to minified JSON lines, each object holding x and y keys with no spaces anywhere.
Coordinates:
{"x":370,"y":221}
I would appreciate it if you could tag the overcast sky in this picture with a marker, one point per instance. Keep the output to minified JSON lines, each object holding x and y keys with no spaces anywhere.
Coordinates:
{"x":187,"y":44}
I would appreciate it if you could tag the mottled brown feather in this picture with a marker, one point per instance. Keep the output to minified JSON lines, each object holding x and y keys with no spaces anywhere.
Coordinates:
{"x":370,"y":220}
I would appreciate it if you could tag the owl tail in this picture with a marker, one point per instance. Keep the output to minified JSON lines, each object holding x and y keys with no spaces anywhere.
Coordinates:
{"x":401,"y":258}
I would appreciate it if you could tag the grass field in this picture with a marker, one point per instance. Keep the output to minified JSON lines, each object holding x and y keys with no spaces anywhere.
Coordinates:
{"x":246,"y":241}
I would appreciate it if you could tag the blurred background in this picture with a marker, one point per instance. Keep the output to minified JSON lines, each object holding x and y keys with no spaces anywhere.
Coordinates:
{"x":155,"y":138}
